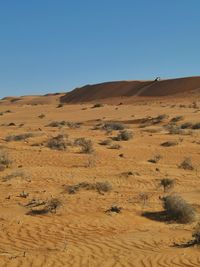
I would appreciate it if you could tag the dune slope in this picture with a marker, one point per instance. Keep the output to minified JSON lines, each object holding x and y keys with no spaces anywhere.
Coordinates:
{"x":118,"y":89}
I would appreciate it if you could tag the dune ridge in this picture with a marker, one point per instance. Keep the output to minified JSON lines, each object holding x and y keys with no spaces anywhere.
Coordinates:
{"x":118,"y":89}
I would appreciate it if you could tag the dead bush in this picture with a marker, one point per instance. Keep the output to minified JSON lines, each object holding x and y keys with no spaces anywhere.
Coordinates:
{"x":160,"y":118}
{"x":174,"y":129}
{"x":186,"y":164}
{"x":19,"y":137}
{"x":15,"y":174}
{"x":4,"y":159}
{"x":99,"y":186}
{"x":167,"y":184}
{"x":177,"y":118}
{"x":196,"y":235}
{"x":45,"y":207}
{"x":115,"y":146}
{"x":115,"y":209}
{"x":186,"y":125}
{"x":59,"y":142}
{"x":85,"y":144}
{"x":124,"y":136}
{"x":196,"y":126}
{"x":60,"y":124}
{"x":109,"y":126}
{"x":178,"y":209}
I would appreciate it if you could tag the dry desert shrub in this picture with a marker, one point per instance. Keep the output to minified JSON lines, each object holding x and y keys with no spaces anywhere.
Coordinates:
{"x":45,"y":207}
{"x":85,"y":144}
{"x":196,"y":235}
{"x":167,"y":184}
{"x":4,"y":160}
{"x":178,"y":209}
{"x":59,"y":142}
{"x":124,"y":136}
{"x":160,"y":118}
{"x":117,"y":126}
{"x":143,"y":198}
{"x":196,"y":126}
{"x":99,"y":186}
{"x":115,"y":209}
{"x":15,"y":174}
{"x":177,"y":118}
{"x":69,"y":124}
{"x":174,"y":129}
{"x":19,"y":137}
{"x":186,"y":125}
{"x":186,"y":164}
{"x":115,"y":146}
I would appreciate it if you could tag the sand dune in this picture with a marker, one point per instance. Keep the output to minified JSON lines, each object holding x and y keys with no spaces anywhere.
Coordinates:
{"x":32,"y":100}
{"x":80,"y":233}
{"x":118,"y":89}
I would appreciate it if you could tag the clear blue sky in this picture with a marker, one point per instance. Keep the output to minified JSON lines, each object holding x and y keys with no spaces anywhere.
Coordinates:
{"x":56,"y":45}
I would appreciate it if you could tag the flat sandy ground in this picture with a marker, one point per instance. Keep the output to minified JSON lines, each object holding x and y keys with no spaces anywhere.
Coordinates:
{"x":80,"y":232}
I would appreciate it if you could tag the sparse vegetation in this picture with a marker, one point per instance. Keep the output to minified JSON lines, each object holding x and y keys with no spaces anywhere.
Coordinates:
{"x":4,"y":159}
{"x":177,"y":118}
{"x":196,"y":126}
{"x":99,"y":186}
{"x":85,"y":144}
{"x":117,"y":126}
{"x":186,"y":125}
{"x":46,"y":207}
{"x":15,"y":174}
{"x":196,"y":235}
{"x":178,"y":209}
{"x":115,"y":209}
{"x":115,"y":146}
{"x":186,"y":164}
{"x":60,"y":124}
{"x":124,"y":136}
{"x":19,"y":137}
{"x":167,"y":184}
{"x":174,"y":129}
{"x":59,"y":142}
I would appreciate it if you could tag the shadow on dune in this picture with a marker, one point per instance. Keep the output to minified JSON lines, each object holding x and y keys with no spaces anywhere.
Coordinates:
{"x":160,"y":216}
{"x":184,"y":245}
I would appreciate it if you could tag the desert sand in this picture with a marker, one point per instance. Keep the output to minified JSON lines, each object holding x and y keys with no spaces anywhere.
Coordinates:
{"x":79,"y":232}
